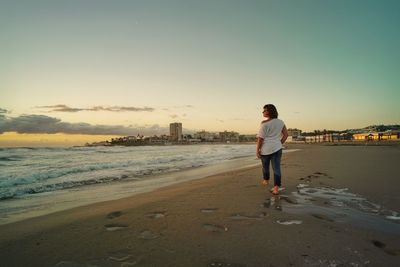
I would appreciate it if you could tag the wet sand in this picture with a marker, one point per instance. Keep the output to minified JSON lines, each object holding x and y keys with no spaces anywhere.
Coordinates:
{"x":339,"y":209}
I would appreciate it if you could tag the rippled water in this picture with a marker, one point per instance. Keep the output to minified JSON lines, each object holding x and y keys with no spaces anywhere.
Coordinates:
{"x":341,"y":205}
{"x":38,"y":170}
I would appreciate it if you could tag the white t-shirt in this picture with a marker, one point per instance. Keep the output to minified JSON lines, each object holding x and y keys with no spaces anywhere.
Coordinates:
{"x":271,"y":132}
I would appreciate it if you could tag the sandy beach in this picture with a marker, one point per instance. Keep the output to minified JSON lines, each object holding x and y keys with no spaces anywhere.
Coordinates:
{"x":339,"y":208}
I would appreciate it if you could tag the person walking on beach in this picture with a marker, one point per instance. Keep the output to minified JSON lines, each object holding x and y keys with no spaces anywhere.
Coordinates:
{"x":270,"y":138}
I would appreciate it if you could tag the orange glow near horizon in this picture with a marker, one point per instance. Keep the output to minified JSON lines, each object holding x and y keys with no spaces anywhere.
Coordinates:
{"x":13,"y":139}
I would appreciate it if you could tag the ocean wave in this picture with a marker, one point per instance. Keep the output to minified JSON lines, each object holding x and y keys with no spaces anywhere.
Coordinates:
{"x":9,"y":194}
{"x":10,"y":158}
{"x":29,"y":189}
{"x":57,"y":172}
{"x":37,"y":170}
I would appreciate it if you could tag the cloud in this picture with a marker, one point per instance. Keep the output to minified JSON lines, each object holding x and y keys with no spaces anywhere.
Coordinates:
{"x":2,"y":110}
{"x":120,"y":109}
{"x":65,"y":108}
{"x":60,"y":108}
{"x":177,"y":116}
{"x":183,"y":106}
{"x":172,"y":108}
{"x":41,"y":124}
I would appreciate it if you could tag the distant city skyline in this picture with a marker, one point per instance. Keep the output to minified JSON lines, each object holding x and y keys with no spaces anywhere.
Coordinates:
{"x":81,"y":71}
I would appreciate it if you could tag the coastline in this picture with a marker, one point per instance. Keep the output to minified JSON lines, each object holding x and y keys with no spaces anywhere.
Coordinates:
{"x":223,"y":219}
{"x":52,"y":202}
{"x":45,"y":180}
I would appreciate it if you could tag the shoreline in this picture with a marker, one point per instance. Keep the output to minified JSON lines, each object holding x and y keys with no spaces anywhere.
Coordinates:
{"x":226,"y":219}
{"x":55,"y":201}
{"x":390,"y":142}
{"x":31,"y":206}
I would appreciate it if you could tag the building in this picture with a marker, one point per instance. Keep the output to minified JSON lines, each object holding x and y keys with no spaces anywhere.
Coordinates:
{"x":205,"y":136}
{"x":248,"y":138}
{"x":294,"y":132}
{"x":175,"y":131}
{"x":229,"y":137}
{"x":377,"y":136}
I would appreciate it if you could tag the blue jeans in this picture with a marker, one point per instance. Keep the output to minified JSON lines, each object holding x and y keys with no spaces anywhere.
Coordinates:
{"x":275,"y":159}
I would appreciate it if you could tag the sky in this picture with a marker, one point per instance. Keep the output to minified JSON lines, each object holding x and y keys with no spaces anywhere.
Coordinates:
{"x":76,"y":71}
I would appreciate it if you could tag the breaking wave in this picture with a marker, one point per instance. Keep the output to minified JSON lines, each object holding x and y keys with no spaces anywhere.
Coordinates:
{"x":28,"y":171}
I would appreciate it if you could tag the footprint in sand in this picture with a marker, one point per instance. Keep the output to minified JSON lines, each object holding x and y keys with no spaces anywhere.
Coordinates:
{"x":378,"y":244}
{"x":156,"y":215}
{"x":71,"y":264}
{"x":124,"y":258}
{"x":126,"y":264}
{"x":241,"y":217}
{"x":114,"y":214}
{"x":215,"y":228}
{"x":381,"y":245}
{"x":119,"y":257}
{"x":314,"y":175}
{"x":289,"y":222}
{"x":266,"y":204}
{"x":209,"y":210}
{"x":219,"y":263}
{"x":147,"y":234}
{"x":115,"y":227}
{"x":322,"y":217}
{"x":393,"y":252}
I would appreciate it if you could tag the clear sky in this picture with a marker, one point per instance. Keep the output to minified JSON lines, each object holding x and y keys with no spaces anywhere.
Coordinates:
{"x":123,"y":67}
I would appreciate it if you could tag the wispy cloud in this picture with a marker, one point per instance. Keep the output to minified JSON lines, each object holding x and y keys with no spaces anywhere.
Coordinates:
{"x":184,"y":106}
{"x":49,"y":125}
{"x":2,"y":110}
{"x":176,"y":108}
{"x":178,"y":116}
{"x":65,"y":108}
{"x":120,"y":109}
{"x":60,"y":108}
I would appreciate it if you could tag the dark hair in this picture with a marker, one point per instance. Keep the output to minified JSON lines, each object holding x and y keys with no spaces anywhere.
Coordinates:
{"x":273,"y":113}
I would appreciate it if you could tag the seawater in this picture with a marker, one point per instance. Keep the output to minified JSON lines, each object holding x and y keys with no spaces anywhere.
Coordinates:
{"x":35,"y":181}
{"x":38,"y":170}
{"x":340,"y":205}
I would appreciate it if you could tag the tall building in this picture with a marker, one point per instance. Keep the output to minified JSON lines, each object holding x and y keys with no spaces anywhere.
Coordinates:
{"x":175,"y":131}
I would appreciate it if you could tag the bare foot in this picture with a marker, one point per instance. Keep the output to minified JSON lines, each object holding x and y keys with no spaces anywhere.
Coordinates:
{"x":275,"y":191}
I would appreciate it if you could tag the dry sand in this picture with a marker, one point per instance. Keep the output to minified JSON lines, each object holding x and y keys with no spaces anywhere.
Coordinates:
{"x":229,"y":219}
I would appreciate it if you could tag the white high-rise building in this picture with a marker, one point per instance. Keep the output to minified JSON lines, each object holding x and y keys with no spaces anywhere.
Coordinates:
{"x":175,"y":131}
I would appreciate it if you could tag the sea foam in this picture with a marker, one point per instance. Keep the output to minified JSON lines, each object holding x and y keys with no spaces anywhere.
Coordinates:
{"x":38,"y":170}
